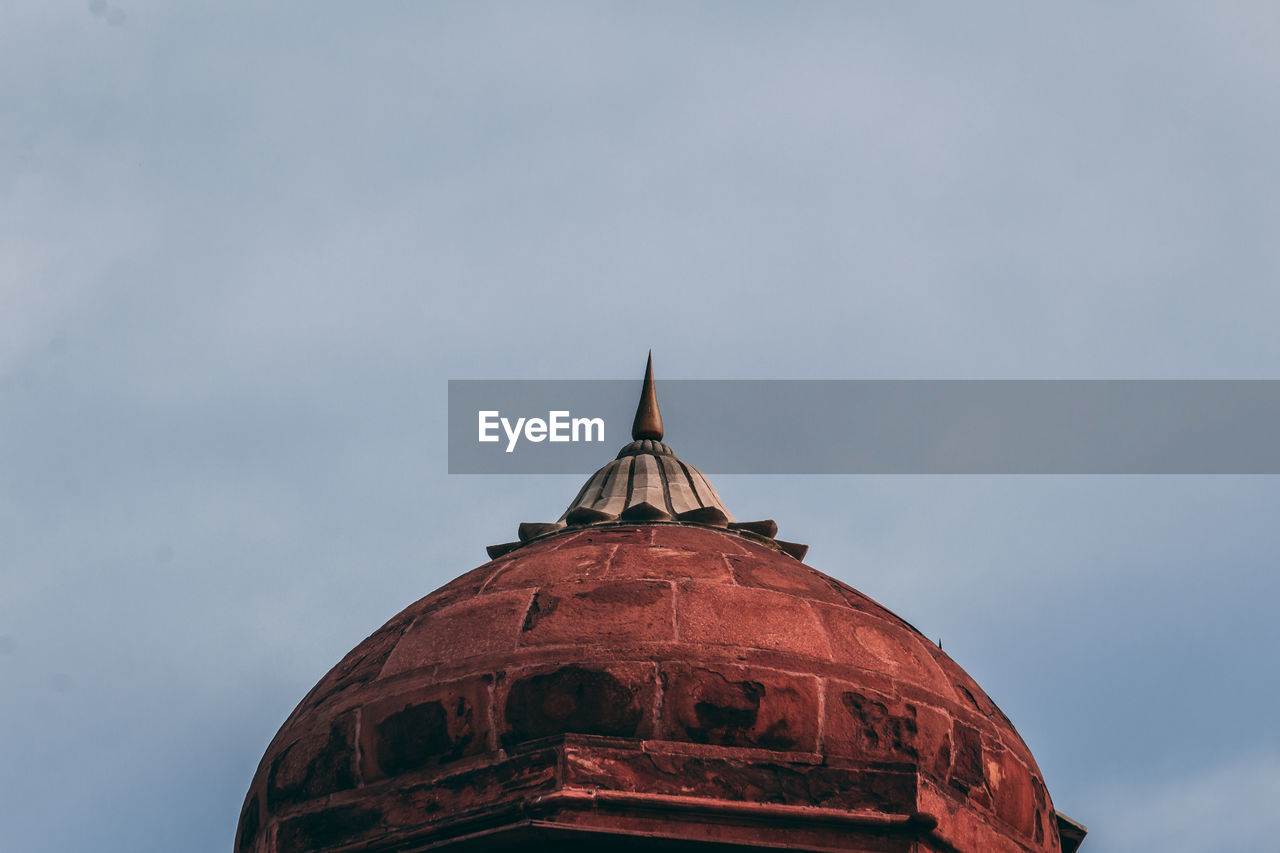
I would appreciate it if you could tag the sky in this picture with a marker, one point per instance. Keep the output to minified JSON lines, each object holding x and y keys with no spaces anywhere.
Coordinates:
{"x":244,"y":246}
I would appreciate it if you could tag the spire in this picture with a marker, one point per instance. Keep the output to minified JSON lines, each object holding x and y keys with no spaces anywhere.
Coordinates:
{"x":648,"y":422}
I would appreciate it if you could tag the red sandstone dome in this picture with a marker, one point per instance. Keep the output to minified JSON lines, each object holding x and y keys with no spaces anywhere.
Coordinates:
{"x":648,"y":684}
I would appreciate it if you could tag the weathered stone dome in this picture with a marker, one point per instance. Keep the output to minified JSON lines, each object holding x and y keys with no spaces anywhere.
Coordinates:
{"x":623,"y":664}
{"x":663,"y":678}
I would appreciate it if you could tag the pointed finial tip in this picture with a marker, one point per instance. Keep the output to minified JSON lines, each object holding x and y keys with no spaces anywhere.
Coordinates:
{"x":648,"y":422}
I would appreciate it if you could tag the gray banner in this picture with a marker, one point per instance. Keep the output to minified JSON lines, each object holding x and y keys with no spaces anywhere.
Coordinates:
{"x":877,"y":426}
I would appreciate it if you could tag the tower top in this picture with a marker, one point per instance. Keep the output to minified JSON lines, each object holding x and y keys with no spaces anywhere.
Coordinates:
{"x":647,"y":484}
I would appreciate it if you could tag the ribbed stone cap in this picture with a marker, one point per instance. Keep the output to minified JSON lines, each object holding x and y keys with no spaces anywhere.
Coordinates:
{"x":647,"y":483}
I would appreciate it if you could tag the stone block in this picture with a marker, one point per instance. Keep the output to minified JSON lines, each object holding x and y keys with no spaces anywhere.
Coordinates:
{"x":782,"y":577}
{"x":718,"y":614}
{"x":609,"y":612}
{"x":431,"y":725}
{"x":611,"y":700}
{"x":869,"y":643}
{"x":666,"y":563}
{"x":485,"y":625}
{"x":551,"y":567}
{"x":739,"y":706}
{"x":317,"y":764}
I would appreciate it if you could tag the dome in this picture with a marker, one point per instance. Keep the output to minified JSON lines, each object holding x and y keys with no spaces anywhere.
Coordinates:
{"x":647,"y":683}
{"x":656,"y":660}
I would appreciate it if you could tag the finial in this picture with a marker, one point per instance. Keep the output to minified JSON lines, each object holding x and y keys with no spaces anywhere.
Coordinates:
{"x":648,"y":422}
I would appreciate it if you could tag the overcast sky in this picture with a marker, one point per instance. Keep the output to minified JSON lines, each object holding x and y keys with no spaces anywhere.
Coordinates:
{"x":243,"y":247}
